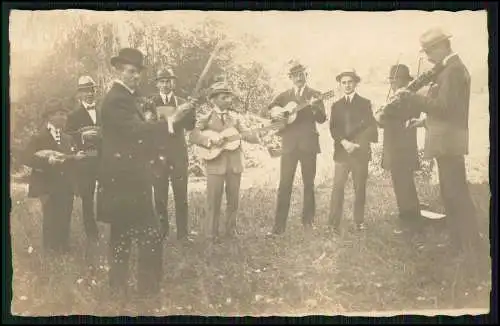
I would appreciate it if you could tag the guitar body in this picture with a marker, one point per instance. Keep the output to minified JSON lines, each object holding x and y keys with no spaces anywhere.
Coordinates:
{"x":290,"y":112}
{"x":231,"y":143}
{"x":165,"y":110}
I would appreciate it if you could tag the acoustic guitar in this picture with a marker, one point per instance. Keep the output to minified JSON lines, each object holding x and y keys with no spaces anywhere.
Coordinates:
{"x":231,"y":140}
{"x":291,"y":110}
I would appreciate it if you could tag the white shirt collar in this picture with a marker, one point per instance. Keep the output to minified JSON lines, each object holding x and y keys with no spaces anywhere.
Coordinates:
{"x":123,"y":84}
{"x":299,"y":91}
{"x":87,"y":105}
{"x":167,"y":97}
{"x":53,"y":130}
{"x":219,"y":110}
{"x":350,"y":96}
{"x":448,"y":57}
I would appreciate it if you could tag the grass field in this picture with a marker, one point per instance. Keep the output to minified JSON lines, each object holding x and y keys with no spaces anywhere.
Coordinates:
{"x":299,"y":274}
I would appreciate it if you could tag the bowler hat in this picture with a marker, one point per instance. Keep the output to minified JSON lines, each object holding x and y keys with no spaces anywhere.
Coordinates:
{"x":129,"y":56}
{"x":400,"y":71}
{"x":295,"y":66}
{"x":348,"y":72}
{"x":166,"y":73}
{"x":219,"y":88}
{"x":433,"y":37}
{"x":85,"y":82}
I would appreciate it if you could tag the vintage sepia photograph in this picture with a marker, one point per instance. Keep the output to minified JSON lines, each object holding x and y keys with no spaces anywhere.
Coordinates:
{"x":249,"y":163}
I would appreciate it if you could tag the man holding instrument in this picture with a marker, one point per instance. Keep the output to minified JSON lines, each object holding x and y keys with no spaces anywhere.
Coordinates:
{"x":353,"y":128}
{"x":300,"y":143}
{"x":400,"y":152}
{"x":173,"y":160}
{"x":223,"y":171}
{"x":85,"y":115}
{"x":447,"y":136}
{"x":51,"y":155}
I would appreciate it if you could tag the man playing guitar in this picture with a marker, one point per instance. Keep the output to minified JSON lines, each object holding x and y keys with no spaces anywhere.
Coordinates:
{"x":300,"y":142}
{"x":224,"y":170}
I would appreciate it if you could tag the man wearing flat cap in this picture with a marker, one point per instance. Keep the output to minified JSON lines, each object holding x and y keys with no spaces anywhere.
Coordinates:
{"x":300,"y":143}
{"x":225,"y":170}
{"x":400,"y":151}
{"x":173,"y":168}
{"x":126,"y":179}
{"x":447,"y":135}
{"x":85,"y":115}
{"x":51,"y":179}
{"x":353,"y":128}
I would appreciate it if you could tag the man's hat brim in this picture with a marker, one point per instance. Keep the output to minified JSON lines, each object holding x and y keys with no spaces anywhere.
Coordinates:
{"x":350,"y":74}
{"x":120,"y":60}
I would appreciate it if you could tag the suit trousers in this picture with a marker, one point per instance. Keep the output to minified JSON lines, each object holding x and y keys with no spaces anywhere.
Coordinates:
{"x":150,"y":250}
{"x":57,"y":208}
{"x":289,"y":162}
{"x":403,"y":183}
{"x":215,"y":185}
{"x":457,"y":201}
{"x":359,"y":169}
{"x":87,"y":190}
{"x":177,"y":175}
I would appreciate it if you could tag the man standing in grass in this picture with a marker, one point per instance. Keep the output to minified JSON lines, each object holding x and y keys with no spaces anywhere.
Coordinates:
{"x":400,"y":151}
{"x":300,"y":143}
{"x":224,"y":171}
{"x":447,"y":136}
{"x":353,"y":128}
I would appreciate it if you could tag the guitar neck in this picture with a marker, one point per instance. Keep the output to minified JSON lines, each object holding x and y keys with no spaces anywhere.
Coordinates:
{"x":322,"y":97}
{"x":249,"y":132}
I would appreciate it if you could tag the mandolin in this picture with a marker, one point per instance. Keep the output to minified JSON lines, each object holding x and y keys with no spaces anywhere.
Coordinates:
{"x":232,"y":140}
{"x":291,"y":110}
{"x":48,"y":153}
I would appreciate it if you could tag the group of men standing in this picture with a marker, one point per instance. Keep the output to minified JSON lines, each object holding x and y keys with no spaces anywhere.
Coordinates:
{"x":140,"y":152}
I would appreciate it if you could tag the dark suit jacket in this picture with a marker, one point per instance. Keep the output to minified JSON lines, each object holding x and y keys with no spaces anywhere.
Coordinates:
{"x":345,"y":118}
{"x":447,"y":107}
{"x":400,"y":143}
{"x":176,"y":142}
{"x":79,"y":118}
{"x":127,"y":151}
{"x":302,"y":134}
{"x":45,"y":178}
{"x":227,"y":161}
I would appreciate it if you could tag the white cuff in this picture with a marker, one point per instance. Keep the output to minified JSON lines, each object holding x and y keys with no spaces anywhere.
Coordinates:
{"x":170,"y":122}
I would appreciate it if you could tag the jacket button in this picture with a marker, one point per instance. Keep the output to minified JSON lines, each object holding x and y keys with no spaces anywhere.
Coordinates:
{"x":140,"y":141}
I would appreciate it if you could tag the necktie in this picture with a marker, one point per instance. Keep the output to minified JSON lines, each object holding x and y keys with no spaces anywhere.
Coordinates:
{"x":90,"y":108}
{"x":223,"y":117}
{"x":57,"y":134}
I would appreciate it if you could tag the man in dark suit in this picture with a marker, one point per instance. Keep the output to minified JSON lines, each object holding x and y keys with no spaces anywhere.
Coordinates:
{"x":353,"y":128}
{"x":447,"y":135}
{"x":400,"y":151}
{"x":300,"y":143}
{"x":85,"y":115}
{"x":126,"y":180}
{"x":174,"y":159}
{"x":51,"y":179}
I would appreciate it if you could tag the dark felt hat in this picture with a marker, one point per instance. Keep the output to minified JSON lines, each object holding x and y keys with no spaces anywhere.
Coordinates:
{"x":294,"y":67}
{"x":129,"y":56}
{"x":400,"y":71}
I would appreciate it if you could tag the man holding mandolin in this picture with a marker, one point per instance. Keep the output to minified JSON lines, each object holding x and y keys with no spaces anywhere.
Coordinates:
{"x":225,"y":167}
{"x":172,"y":168}
{"x":300,"y":107}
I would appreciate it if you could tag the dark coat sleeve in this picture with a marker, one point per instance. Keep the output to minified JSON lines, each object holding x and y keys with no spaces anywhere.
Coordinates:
{"x":30,"y":159}
{"x":336,"y":130}
{"x":319,"y":110}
